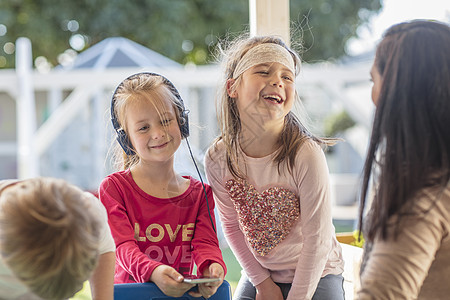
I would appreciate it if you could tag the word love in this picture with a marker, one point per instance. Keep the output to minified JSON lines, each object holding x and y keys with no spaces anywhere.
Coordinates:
{"x":181,"y":253}
{"x":156,"y":232}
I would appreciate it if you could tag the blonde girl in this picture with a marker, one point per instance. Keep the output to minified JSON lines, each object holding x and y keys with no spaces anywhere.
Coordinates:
{"x":270,"y":179}
{"x":160,"y":220}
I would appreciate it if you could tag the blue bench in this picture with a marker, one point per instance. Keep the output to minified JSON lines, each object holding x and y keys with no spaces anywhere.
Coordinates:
{"x":149,"y":291}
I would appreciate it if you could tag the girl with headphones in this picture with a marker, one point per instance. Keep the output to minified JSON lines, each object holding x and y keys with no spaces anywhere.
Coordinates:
{"x":161,"y":221}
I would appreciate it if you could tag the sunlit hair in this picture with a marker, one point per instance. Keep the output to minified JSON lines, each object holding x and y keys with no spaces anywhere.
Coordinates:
{"x":142,"y":87}
{"x":410,"y":143}
{"x":49,"y":235}
{"x":294,"y":132}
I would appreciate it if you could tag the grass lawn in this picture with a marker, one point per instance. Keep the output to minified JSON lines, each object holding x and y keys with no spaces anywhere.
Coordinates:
{"x":233,"y":268}
{"x":344,"y":225}
{"x":84,"y":294}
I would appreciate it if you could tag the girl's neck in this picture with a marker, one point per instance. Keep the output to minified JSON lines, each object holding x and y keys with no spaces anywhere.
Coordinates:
{"x":158,"y":181}
{"x":262,"y":141}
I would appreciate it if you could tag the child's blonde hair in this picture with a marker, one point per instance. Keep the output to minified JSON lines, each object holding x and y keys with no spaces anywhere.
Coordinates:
{"x":294,"y":132}
{"x":49,"y":235}
{"x":142,"y":87}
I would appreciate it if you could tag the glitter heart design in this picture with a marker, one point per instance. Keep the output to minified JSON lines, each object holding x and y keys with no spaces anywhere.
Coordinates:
{"x":266,"y":217}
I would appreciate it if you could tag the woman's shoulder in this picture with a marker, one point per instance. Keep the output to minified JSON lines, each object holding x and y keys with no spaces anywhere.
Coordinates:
{"x":430,"y":205}
{"x":5,"y":182}
{"x":435,"y":198}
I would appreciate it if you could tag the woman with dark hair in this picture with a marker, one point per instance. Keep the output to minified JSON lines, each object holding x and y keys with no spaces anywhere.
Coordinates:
{"x":407,"y":229}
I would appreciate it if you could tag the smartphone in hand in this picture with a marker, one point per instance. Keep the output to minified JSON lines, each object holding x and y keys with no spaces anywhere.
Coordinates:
{"x":199,"y":279}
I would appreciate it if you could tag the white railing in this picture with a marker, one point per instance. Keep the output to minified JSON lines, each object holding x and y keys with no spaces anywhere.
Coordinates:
{"x":82,"y":87}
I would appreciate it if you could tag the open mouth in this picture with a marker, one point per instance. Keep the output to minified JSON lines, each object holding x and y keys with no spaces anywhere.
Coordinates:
{"x":273,"y":98}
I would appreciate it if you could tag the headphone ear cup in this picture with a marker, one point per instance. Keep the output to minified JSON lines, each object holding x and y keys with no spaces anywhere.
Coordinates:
{"x":184,"y":125}
{"x":124,"y":142}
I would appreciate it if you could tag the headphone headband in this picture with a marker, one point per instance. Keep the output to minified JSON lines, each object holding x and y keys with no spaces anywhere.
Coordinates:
{"x":122,"y":137}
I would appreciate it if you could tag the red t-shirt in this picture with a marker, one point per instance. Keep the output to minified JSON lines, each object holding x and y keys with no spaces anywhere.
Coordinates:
{"x":150,"y":231}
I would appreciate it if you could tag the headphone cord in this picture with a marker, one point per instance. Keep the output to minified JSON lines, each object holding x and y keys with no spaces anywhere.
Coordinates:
{"x":203,"y":185}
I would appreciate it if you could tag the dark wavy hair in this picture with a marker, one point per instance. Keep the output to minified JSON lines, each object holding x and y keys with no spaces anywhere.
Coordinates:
{"x":410,"y":143}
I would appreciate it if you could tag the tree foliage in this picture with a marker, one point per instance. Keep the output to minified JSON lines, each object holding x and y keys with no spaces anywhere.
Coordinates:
{"x":322,"y":26}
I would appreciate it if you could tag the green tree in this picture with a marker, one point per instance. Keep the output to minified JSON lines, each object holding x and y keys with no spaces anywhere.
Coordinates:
{"x":184,"y":30}
{"x":324,"y":27}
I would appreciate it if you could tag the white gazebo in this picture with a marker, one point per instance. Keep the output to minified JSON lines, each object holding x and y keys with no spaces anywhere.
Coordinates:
{"x":73,"y":141}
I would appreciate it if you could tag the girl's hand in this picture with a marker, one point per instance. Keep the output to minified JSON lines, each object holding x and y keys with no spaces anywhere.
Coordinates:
{"x":268,"y":290}
{"x":169,"y":281}
{"x":209,"y":288}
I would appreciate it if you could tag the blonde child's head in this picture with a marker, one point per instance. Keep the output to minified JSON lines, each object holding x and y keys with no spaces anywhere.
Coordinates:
{"x":239,"y":56}
{"x":149,"y":87}
{"x":238,"y":49}
{"x":233,"y":56}
{"x":49,"y":235}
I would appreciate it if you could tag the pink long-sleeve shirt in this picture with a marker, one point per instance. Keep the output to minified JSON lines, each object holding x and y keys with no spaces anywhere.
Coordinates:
{"x":150,"y":231}
{"x":278,"y":225}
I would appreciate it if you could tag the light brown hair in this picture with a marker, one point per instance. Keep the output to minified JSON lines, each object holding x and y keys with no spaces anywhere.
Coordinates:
{"x":49,"y":235}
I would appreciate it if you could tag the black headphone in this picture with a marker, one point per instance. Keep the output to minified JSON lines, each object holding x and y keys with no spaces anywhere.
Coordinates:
{"x":122,"y":136}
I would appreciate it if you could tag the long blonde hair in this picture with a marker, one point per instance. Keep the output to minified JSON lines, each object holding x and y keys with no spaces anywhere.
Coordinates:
{"x":49,"y":235}
{"x":294,"y":132}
